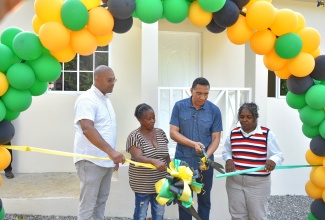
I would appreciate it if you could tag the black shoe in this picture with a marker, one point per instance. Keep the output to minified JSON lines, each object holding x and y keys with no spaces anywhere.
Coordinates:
{"x":9,"y":175}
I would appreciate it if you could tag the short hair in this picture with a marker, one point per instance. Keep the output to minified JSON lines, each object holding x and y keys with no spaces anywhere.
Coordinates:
{"x":252,"y":107}
{"x":141,"y":109}
{"x":201,"y":81}
{"x":101,"y":69}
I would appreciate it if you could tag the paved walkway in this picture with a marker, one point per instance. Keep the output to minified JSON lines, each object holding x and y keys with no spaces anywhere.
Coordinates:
{"x":40,"y":185}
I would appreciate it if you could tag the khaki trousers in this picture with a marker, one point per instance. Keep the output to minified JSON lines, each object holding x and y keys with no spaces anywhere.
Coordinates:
{"x":248,"y":196}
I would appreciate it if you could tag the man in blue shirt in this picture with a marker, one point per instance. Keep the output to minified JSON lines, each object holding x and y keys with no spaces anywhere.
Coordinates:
{"x":196,"y":123}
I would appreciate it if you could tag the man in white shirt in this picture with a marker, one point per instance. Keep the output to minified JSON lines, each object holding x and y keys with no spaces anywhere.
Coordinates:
{"x":95,"y":125}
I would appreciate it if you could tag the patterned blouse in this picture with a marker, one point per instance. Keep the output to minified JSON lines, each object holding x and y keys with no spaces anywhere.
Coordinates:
{"x":142,"y":179}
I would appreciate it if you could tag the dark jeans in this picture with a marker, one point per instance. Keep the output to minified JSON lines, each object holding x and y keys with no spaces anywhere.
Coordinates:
{"x":203,"y":199}
{"x":9,"y":168}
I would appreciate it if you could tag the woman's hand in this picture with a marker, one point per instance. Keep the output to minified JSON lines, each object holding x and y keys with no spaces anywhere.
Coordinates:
{"x":116,"y":167}
{"x":269,"y":165}
{"x":161,"y":166}
{"x":230,"y":166}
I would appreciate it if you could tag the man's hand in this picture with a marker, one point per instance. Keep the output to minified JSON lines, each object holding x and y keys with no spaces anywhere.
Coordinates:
{"x":198,"y":147}
{"x":230,"y":166}
{"x":117,"y":157}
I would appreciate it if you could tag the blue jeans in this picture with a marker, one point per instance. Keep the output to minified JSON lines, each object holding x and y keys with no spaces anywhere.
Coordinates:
{"x":203,"y":199}
{"x":141,"y":207}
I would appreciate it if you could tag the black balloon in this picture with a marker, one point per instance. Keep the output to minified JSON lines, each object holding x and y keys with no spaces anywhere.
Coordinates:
{"x":228,"y":15}
{"x":240,"y":3}
{"x":317,"y":146}
{"x":121,"y":9}
{"x":7,"y":131}
{"x":317,"y":208}
{"x":299,"y":85}
{"x":0,"y":204}
{"x":122,"y":25}
{"x":214,"y":28}
{"x":318,"y":72}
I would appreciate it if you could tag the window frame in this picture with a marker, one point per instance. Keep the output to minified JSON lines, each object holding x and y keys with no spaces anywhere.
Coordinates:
{"x":78,"y":71}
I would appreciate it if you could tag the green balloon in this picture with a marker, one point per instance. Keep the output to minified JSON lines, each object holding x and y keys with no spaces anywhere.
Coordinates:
{"x":310,"y":131}
{"x":17,"y":100}
{"x":149,"y":11}
{"x":10,"y":116}
{"x":322,"y":129}
{"x":3,"y":110}
{"x":2,"y":213}
{"x":295,"y":101}
{"x":27,"y":46}
{"x":175,"y":11}
{"x":288,"y":45}
{"x":38,"y":88}
{"x":21,"y":76}
{"x":74,"y":15}
{"x":311,"y":216}
{"x":311,"y":116}
{"x":315,"y":96}
{"x":6,"y":58}
{"x":8,"y":35}
{"x":212,"y":5}
{"x":46,"y":68}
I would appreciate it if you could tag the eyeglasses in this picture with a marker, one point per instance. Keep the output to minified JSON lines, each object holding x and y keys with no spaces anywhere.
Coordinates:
{"x":201,"y":94}
{"x":111,"y":80}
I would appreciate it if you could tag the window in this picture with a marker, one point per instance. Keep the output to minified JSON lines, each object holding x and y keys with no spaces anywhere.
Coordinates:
{"x":78,"y":74}
{"x":276,"y":87}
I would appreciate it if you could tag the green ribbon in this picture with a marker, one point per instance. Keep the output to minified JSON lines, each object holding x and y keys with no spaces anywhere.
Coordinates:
{"x":263,"y":168}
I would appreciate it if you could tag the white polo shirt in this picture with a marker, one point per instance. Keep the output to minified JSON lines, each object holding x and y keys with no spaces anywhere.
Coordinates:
{"x":95,"y":106}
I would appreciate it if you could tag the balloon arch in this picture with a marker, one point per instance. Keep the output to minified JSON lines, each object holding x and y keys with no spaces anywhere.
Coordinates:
{"x":28,"y":61}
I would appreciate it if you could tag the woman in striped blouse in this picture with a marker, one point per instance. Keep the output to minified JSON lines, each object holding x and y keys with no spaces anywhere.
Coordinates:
{"x":249,"y":146}
{"x":147,"y":144}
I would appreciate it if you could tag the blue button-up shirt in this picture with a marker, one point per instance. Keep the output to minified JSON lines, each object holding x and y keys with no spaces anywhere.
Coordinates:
{"x":197,"y":125}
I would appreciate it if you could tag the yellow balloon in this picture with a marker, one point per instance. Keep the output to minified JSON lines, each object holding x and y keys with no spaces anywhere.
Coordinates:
{"x":251,"y":2}
{"x":318,"y":177}
{"x":54,"y":36}
{"x":301,"y":22}
{"x":100,"y":21}
{"x":262,"y":42}
{"x":313,"y":191}
{"x":104,"y":40}
{"x":273,"y":62}
{"x":285,"y":22}
{"x":313,"y":159}
{"x":91,"y":3}
{"x":260,"y":15}
{"x":5,"y":158}
{"x":310,"y":39}
{"x":240,"y":32}
{"x":65,"y":55}
{"x":323,"y":195}
{"x":83,"y":42}
{"x":48,"y":10}
{"x":301,"y":65}
{"x":4,"y":85}
{"x":36,"y":23}
{"x":198,"y":16}
{"x":283,"y":74}
{"x":316,"y":52}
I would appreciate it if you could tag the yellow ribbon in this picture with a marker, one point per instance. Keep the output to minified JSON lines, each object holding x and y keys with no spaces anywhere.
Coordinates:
{"x":67,"y":154}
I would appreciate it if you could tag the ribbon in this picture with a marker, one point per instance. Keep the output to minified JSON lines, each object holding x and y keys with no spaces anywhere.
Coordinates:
{"x":263,"y":168}
{"x":67,"y":154}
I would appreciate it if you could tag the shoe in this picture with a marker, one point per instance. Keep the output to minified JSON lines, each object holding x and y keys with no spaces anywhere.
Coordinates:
{"x":9,"y":175}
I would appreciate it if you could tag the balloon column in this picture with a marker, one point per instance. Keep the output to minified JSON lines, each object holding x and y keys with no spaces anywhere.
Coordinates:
{"x":64,"y":28}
